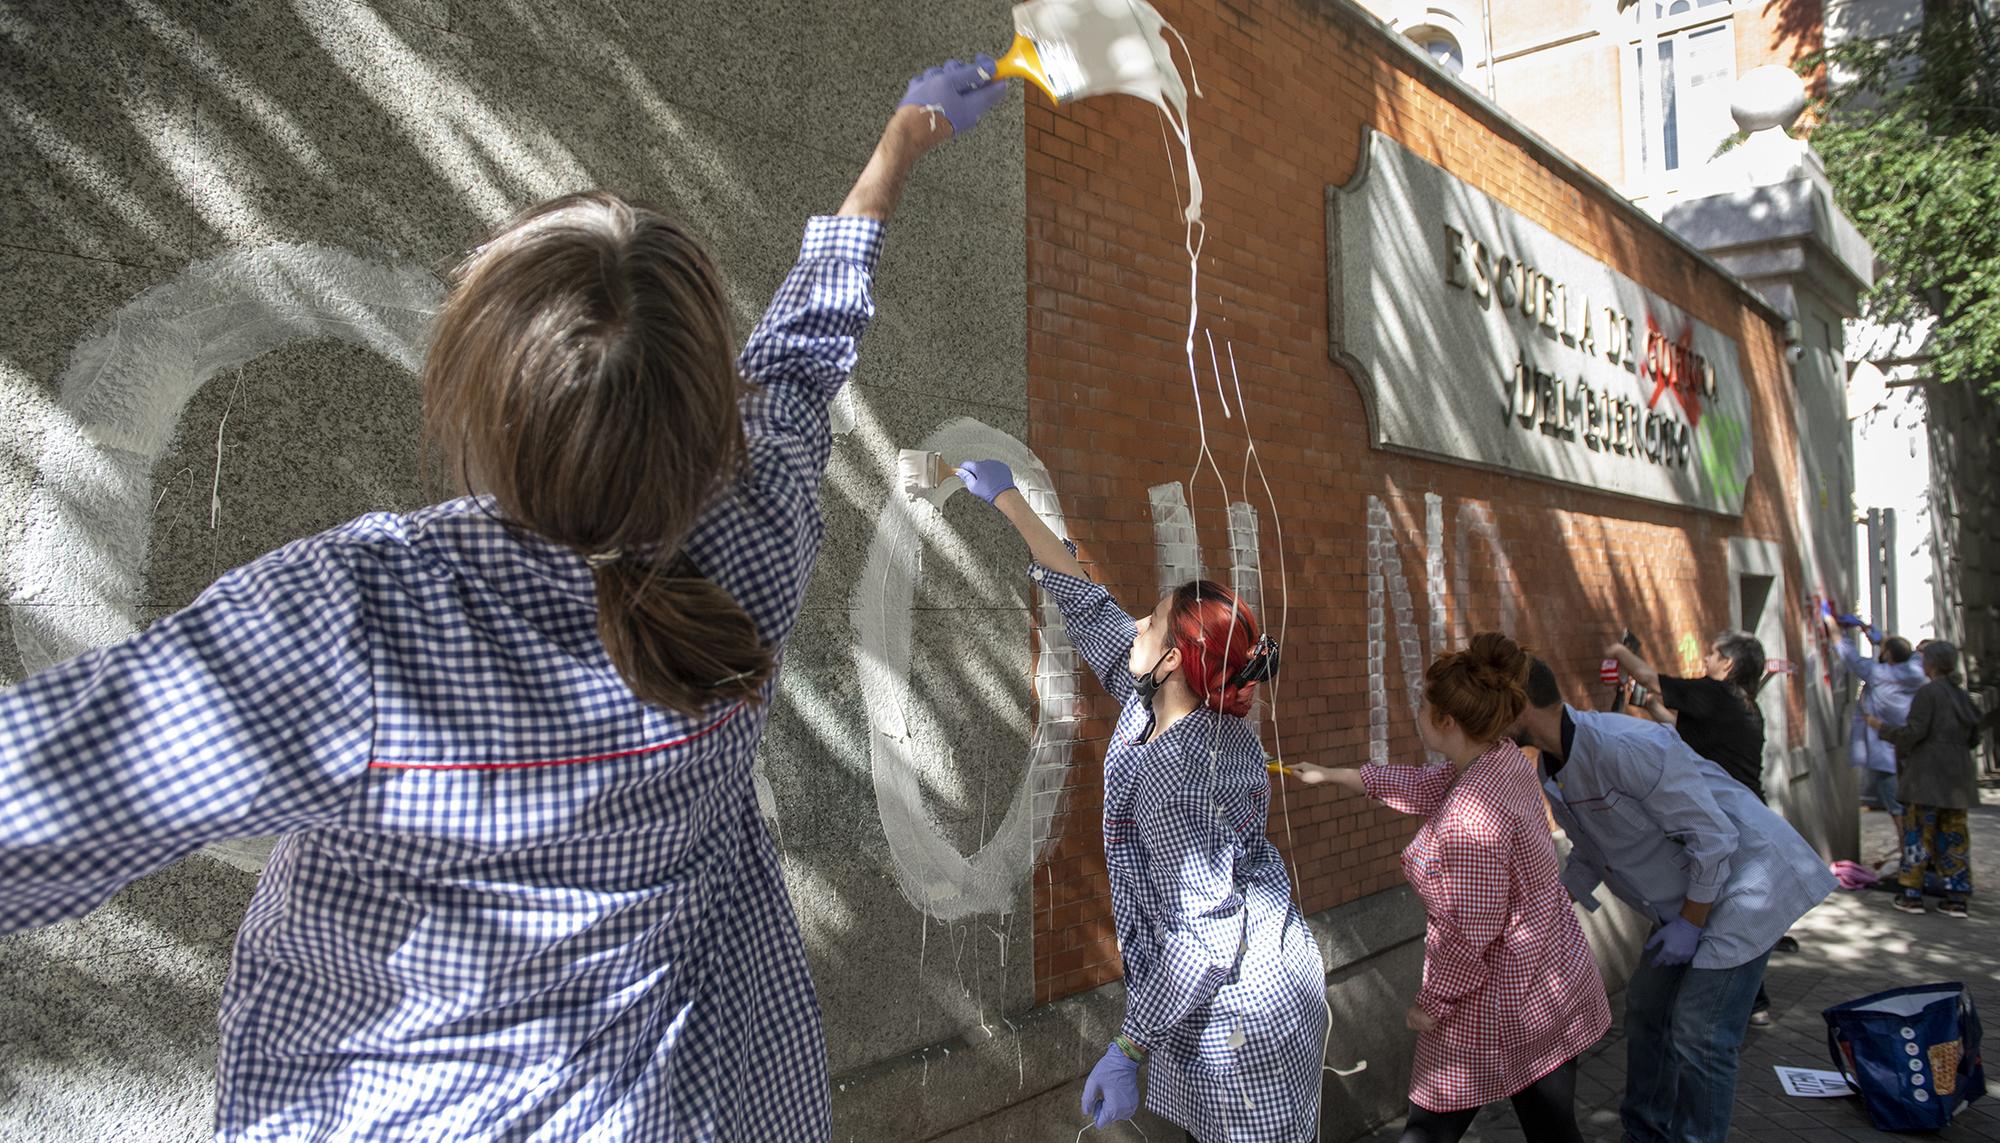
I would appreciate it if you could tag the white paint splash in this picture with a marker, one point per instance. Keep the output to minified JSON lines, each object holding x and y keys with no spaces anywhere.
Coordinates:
{"x":1388,"y":591}
{"x":74,"y":575}
{"x":1476,"y":520}
{"x":1434,"y":587}
{"x":930,"y":870}
{"x":1176,"y":548}
{"x":1390,"y":602}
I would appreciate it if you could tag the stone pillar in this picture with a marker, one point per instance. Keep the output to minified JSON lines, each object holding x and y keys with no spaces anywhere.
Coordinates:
{"x":1765,"y":212}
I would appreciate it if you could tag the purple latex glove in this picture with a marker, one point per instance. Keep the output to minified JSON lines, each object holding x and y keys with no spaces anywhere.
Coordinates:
{"x":1674,"y":944}
{"x":962,"y":92}
{"x":1112,"y":1091}
{"x":1850,"y":621}
{"x":986,"y":479}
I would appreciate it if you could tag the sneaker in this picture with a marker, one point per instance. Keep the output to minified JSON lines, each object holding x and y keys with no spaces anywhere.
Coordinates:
{"x":1762,"y":1018}
{"x":1954,"y":909}
{"x":1909,"y":904}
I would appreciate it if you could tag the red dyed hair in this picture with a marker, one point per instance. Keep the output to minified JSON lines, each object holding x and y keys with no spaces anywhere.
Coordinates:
{"x":1212,"y":646}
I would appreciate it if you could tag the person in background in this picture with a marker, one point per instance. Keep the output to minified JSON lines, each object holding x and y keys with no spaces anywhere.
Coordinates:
{"x":1889,"y":681}
{"x":1716,"y":714}
{"x":1510,"y":994}
{"x":1224,"y":986}
{"x":1718,"y":873}
{"x":522,"y":887}
{"x":1939,"y":782}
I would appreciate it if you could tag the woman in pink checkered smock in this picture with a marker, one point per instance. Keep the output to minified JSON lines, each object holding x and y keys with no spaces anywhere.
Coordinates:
{"x":1510,"y":995}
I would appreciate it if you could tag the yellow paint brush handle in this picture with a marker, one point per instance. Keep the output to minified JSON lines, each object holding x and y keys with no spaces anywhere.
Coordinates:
{"x":1022,"y":61}
{"x":1279,"y":768}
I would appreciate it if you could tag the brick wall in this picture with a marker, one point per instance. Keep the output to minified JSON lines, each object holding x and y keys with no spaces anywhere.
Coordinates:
{"x":1289,"y":87}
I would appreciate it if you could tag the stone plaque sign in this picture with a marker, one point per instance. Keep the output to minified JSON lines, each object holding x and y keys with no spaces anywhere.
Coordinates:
{"x":1480,"y":337}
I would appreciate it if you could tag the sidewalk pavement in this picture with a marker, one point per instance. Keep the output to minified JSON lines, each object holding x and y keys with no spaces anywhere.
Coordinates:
{"x":1851,"y":945}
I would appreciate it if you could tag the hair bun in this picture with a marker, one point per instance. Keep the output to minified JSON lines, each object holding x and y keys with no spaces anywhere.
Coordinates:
{"x":1497,"y":661}
{"x":1483,"y":688}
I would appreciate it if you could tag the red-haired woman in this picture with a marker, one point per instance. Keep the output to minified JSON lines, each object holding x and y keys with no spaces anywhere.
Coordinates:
{"x":1224,"y":988}
{"x":1510,"y":993}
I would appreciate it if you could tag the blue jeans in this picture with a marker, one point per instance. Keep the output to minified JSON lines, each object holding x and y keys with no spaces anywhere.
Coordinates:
{"x":1683,"y":1027}
{"x":1880,"y":785}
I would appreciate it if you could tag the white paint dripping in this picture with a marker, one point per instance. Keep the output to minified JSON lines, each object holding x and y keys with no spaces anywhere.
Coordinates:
{"x":1390,"y":601}
{"x":1176,"y":548}
{"x":767,"y":799}
{"x":215,"y":484}
{"x":1246,"y":577}
{"x":74,"y":574}
{"x":929,"y":869}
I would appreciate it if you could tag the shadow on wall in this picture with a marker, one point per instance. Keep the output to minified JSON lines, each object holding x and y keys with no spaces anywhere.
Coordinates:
{"x":1629,"y":573}
{"x":241,"y":207}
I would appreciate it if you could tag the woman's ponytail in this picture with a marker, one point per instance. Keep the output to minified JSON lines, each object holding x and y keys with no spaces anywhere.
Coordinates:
{"x":679,"y":640}
{"x":582,"y":373}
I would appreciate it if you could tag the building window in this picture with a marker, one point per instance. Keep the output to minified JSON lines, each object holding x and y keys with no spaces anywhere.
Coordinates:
{"x":1442,"y":48}
{"x":1683,"y":66}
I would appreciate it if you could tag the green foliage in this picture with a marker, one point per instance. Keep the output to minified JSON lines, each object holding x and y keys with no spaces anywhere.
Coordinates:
{"x":1912,"y":146}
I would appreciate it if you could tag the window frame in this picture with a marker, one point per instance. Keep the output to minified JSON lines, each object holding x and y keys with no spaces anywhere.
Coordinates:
{"x":1644,"y":107}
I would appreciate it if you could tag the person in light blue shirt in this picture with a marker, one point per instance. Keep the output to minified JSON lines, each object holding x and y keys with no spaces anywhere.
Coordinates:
{"x":1891,"y":679}
{"x":1720,"y":875}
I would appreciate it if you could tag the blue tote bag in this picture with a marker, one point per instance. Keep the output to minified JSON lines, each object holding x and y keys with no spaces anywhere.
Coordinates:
{"x":1912,"y":1053}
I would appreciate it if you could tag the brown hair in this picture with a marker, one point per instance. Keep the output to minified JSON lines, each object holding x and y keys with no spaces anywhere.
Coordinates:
{"x":1484,"y":688}
{"x":582,"y":374}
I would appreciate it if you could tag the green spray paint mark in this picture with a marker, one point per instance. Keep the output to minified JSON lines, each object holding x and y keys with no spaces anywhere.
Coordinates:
{"x":1719,"y":446}
{"x":1690,"y":649}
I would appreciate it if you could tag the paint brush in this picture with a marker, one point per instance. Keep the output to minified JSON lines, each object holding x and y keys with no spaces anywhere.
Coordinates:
{"x":919,"y":471}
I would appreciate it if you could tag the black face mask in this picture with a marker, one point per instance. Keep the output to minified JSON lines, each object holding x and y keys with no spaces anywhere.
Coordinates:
{"x":1146,"y":685}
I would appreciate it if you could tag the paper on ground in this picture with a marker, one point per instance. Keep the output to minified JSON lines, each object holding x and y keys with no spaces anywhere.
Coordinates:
{"x":1813,"y":1083}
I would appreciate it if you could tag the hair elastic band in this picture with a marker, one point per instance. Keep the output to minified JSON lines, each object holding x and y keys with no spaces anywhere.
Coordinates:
{"x":1263,"y":664}
{"x":604,"y":559}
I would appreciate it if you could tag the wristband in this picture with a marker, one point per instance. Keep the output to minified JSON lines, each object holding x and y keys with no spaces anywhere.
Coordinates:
{"x":1130,"y":1047}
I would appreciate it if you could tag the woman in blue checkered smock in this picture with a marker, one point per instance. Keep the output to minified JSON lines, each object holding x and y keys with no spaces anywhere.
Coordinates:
{"x":1224,"y":984}
{"x":513,"y":898}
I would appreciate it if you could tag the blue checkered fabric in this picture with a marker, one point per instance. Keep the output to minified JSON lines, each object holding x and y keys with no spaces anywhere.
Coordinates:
{"x":510,"y":901}
{"x":1223,"y":982}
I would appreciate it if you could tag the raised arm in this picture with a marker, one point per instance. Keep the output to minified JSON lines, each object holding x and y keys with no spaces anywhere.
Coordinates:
{"x":937,"y":105}
{"x":803,"y":350}
{"x":1098,"y":628}
{"x":1044,"y":545}
{"x":1639,"y":669}
{"x":804,"y":347}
